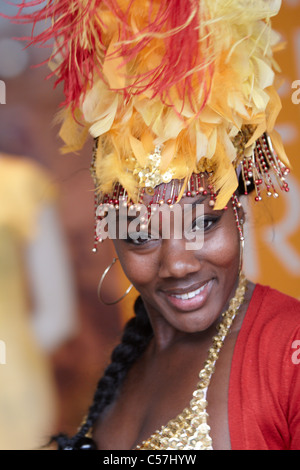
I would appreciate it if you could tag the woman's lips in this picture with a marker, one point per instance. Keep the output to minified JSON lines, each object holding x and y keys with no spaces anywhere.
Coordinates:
{"x":192,"y":299}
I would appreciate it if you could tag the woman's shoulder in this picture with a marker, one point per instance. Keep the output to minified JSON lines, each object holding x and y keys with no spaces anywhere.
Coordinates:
{"x":274,"y":300}
{"x":269,"y":331}
{"x":273,"y":311}
{"x":265,"y":380}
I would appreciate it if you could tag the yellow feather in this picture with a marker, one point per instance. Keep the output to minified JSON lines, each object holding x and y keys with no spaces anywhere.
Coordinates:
{"x":240,"y":70}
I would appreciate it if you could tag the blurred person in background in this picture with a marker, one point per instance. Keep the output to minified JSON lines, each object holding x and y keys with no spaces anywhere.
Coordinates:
{"x":37,"y":302}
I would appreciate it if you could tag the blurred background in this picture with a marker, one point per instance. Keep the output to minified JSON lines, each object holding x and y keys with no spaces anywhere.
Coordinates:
{"x":56,"y":337}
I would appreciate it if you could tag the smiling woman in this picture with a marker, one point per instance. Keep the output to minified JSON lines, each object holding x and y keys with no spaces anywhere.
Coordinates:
{"x":180,"y":99}
{"x":168,"y":276}
{"x":184,"y":293}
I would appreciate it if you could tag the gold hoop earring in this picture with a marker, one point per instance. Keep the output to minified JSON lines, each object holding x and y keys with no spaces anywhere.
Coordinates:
{"x":101,"y":283}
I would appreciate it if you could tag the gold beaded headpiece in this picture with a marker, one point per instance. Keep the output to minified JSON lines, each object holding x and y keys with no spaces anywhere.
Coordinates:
{"x":170,"y":90}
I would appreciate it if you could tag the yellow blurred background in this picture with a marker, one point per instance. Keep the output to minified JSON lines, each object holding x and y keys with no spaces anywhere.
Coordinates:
{"x":57,"y":335}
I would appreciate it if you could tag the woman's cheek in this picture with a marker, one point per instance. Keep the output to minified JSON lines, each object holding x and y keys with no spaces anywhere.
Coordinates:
{"x":222,"y":249}
{"x":139,"y":269}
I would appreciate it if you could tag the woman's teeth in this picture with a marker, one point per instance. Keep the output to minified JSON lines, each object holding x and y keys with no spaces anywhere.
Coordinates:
{"x":190,"y":295}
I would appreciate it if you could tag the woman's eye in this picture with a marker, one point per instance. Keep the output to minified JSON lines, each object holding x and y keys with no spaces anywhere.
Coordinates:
{"x":141,"y":239}
{"x":204,"y":223}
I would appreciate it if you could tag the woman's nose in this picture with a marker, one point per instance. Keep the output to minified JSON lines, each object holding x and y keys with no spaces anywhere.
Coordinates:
{"x":176,"y":261}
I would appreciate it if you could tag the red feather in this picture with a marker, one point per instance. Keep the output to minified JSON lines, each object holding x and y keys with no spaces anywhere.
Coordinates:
{"x":69,"y":17}
{"x":185,"y":61}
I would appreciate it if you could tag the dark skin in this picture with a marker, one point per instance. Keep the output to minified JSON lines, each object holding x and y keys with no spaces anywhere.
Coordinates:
{"x":161,"y":383}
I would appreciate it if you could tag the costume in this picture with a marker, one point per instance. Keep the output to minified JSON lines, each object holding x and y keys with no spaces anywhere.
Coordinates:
{"x":263,"y":402}
{"x":174,"y":92}
{"x":264,"y":386}
{"x":168,"y":89}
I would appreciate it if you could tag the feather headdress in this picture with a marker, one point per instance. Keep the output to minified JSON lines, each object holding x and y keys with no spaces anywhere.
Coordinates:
{"x":194,"y":78}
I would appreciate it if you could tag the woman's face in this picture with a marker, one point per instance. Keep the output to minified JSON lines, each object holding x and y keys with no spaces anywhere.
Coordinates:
{"x":187,"y":288}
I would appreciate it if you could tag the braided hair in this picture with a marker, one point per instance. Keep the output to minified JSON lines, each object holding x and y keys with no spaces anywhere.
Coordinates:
{"x":136,"y":336}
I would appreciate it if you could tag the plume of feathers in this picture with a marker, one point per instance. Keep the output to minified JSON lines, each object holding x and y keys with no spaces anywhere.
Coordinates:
{"x":184,"y":74}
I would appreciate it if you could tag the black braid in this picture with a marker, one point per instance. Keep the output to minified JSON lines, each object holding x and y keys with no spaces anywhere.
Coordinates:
{"x":136,"y":336}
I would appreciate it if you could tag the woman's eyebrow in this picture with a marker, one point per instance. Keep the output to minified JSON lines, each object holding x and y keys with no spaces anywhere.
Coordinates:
{"x":201,"y":200}
{"x":198,"y":201}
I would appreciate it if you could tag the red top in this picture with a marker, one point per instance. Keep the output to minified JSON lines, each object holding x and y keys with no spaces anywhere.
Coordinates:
{"x":264,"y":389}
